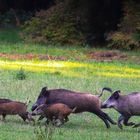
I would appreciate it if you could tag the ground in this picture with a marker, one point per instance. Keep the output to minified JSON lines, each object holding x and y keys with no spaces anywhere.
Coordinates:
{"x":96,"y":55}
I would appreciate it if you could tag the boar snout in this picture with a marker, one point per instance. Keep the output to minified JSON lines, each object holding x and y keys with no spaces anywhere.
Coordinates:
{"x":34,"y":107}
{"x":103,"y":106}
{"x":33,"y":114}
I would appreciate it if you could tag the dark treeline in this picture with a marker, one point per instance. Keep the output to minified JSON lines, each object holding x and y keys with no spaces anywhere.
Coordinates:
{"x":27,"y":5}
{"x":93,"y":19}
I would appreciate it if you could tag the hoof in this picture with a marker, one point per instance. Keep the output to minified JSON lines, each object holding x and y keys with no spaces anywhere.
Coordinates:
{"x":120,"y":126}
{"x":114,"y":123}
{"x":136,"y":125}
{"x":58,"y":123}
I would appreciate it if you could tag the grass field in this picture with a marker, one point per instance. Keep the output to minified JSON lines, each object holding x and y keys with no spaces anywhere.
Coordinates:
{"x":88,"y":76}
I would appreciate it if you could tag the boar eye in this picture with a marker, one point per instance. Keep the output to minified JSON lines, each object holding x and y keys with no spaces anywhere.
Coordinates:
{"x":116,"y":95}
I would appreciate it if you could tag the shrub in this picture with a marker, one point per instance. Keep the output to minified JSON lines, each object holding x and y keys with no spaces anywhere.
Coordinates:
{"x":14,"y":18}
{"x":57,"y":24}
{"x":120,"y":40}
{"x":128,"y":34}
{"x":20,"y":75}
{"x":44,"y":133}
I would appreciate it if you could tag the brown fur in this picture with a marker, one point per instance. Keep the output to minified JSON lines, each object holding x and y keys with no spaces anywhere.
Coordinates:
{"x":54,"y":111}
{"x":15,"y":108}
{"x":2,"y":100}
{"x":84,"y":102}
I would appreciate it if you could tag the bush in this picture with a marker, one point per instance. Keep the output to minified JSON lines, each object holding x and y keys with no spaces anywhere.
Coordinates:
{"x":128,"y":34}
{"x":20,"y":75}
{"x":120,"y":40}
{"x":14,"y":18}
{"x":47,"y":132}
{"x":55,"y":25}
{"x":44,"y":133}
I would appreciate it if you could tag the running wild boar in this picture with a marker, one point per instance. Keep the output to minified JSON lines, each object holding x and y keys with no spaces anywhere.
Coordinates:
{"x":126,"y":105}
{"x":84,"y":102}
{"x":15,"y":108}
{"x":53,"y":112}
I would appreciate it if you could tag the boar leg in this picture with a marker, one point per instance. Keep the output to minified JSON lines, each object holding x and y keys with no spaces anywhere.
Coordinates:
{"x":23,"y":116}
{"x":102,"y":117}
{"x":41,"y":118}
{"x":126,"y":121}
{"x":61,"y":118}
{"x":120,"y":121}
{"x":109,"y":119}
{"x":3,"y":117}
{"x":66,"y":119}
{"x":58,"y":122}
{"x":47,"y":121}
{"x":136,"y":125}
{"x":29,"y":117}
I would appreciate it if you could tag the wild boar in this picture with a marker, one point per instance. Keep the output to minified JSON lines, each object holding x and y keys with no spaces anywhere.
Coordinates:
{"x":14,"y":108}
{"x":126,"y":105}
{"x":54,"y":111}
{"x":84,"y":102}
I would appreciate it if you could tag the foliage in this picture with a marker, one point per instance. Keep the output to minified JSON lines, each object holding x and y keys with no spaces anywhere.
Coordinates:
{"x":58,"y":24}
{"x":14,"y":18}
{"x":20,"y":75}
{"x":120,"y":40}
{"x":128,"y":34}
{"x":44,"y":133}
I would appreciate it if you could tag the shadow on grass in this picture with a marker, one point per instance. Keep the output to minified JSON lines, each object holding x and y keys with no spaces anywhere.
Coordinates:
{"x":97,"y":128}
{"x":15,"y":121}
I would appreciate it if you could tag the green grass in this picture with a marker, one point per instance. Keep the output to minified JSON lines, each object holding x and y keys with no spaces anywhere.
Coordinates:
{"x":86,"y":76}
{"x":81,"y":126}
{"x":11,"y":42}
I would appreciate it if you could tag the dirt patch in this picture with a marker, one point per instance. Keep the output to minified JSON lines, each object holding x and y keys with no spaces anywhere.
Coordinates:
{"x":98,"y":56}
{"x":31,"y":57}
{"x":107,"y":55}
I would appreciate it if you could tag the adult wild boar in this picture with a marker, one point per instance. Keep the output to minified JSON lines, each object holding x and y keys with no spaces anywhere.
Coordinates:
{"x":126,"y":105}
{"x":84,"y":102}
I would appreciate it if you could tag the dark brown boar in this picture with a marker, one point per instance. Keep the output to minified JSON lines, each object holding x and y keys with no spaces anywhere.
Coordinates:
{"x":84,"y":102}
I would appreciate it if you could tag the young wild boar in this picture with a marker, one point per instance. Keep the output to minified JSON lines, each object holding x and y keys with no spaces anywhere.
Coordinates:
{"x":53,"y":112}
{"x":126,"y":105}
{"x":15,"y":108}
{"x":84,"y":102}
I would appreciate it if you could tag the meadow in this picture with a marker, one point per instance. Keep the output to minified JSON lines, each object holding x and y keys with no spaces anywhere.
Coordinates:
{"x":75,"y":74}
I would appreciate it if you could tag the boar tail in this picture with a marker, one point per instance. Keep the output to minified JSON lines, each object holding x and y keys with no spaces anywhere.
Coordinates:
{"x":107,"y":89}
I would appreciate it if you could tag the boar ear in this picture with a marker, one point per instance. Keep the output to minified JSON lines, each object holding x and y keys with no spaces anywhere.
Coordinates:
{"x":116,"y":94}
{"x":46,"y":88}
